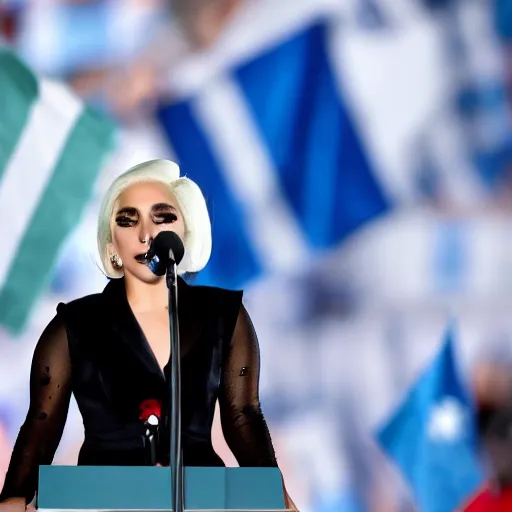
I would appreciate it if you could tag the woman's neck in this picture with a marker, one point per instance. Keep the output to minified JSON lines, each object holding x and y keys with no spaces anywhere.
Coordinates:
{"x":144,"y":297}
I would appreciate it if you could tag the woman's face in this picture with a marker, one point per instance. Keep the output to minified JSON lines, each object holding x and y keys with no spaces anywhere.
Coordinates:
{"x":140,"y":213}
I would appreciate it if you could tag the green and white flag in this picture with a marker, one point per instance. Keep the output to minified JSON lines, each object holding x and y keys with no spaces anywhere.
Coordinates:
{"x":52,"y":148}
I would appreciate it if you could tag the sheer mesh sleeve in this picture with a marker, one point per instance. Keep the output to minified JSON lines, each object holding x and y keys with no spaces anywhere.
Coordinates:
{"x":40,"y":434}
{"x":243,"y":424}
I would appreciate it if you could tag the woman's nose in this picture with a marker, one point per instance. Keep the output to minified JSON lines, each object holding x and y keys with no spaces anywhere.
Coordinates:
{"x":144,"y":236}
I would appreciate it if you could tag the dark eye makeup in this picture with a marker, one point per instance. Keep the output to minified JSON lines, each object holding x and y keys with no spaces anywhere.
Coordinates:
{"x":165,"y":218}
{"x":161,"y":213}
{"x":127,"y":217}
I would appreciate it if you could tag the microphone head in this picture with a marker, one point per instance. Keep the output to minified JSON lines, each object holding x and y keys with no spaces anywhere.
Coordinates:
{"x":167,"y":242}
{"x":165,"y":248}
{"x":150,"y":409}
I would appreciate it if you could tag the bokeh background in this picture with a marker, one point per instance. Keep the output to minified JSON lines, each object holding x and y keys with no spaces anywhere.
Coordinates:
{"x":355,"y":156}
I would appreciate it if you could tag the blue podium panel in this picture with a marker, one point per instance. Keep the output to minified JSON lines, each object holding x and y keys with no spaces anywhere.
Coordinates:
{"x":142,"y":488}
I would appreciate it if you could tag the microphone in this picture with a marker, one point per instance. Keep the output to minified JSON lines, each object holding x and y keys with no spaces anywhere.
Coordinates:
{"x":151,"y":439}
{"x":165,"y":252}
{"x":166,"y":248}
{"x":150,"y":413}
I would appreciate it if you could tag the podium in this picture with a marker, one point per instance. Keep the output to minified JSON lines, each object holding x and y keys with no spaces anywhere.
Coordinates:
{"x":148,"y":488}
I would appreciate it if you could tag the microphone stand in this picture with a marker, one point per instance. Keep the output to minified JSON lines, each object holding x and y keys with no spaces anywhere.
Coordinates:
{"x":176,"y":454}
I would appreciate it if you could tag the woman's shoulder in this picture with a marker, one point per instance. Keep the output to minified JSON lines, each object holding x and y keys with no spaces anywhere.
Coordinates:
{"x":214,"y":293}
{"x":216,"y":300}
{"x":81,"y":304}
{"x":82,"y":313}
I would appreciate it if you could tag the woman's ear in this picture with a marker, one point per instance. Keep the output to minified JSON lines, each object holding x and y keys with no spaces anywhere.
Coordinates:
{"x":111,"y":249}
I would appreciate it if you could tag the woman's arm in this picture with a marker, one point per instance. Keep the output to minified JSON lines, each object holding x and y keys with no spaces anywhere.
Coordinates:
{"x":40,"y":434}
{"x":243,"y":423}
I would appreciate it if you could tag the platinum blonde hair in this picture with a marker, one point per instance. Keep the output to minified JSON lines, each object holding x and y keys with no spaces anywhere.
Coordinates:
{"x":198,"y":237}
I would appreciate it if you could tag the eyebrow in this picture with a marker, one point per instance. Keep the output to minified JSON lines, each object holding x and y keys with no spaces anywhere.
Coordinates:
{"x":163,"y":206}
{"x":127,"y":210}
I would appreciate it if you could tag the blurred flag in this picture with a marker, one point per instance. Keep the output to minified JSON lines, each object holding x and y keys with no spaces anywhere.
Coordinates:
{"x":432,"y":437}
{"x":502,"y":14}
{"x":67,"y":38}
{"x":342,"y":501}
{"x":273,"y":145}
{"x":52,"y":148}
{"x":482,"y":98}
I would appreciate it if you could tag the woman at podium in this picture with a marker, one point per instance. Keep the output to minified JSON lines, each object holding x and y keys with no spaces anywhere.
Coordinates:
{"x":112,"y":350}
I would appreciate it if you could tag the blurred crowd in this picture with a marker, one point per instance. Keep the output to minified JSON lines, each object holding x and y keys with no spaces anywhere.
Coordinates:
{"x":114,"y":53}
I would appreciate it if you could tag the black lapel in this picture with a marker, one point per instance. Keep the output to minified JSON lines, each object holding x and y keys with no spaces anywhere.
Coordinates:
{"x":191,"y":315}
{"x":130,"y":373}
{"x":125,"y":330}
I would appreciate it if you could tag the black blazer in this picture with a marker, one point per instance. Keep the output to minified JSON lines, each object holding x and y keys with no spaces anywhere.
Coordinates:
{"x":95,"y":349}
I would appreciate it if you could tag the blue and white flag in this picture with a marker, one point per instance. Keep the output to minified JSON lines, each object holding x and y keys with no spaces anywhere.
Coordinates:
{"x":432,"y":437}
{"x":274,"y":146}
{"x":343,"y":501}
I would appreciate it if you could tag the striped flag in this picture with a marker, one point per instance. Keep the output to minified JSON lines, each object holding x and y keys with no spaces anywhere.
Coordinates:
{"x":274,"y":146}
{"x":52,"y":148}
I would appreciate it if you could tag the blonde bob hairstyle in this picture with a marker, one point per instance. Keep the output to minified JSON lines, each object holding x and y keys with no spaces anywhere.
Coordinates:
{"x":198,"y":237}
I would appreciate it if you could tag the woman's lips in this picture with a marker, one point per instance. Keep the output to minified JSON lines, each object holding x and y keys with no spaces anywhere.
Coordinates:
{"x":141,"y":258}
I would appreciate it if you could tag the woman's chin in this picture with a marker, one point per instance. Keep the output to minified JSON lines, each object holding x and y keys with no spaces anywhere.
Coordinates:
{"x":144,"y":274}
